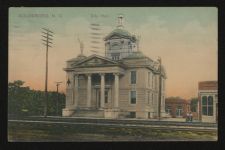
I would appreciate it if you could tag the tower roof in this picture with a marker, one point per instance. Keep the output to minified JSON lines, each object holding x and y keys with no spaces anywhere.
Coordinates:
{"x":120,"y":33}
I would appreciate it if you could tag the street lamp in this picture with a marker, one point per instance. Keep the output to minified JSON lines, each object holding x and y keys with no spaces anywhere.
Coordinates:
{"x":57,"y":101}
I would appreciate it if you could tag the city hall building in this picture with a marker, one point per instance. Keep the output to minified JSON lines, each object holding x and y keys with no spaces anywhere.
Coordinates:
{"x":123,"y":84}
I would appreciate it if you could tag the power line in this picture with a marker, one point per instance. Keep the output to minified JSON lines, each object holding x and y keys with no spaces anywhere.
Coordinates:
{"x":47,"y":42}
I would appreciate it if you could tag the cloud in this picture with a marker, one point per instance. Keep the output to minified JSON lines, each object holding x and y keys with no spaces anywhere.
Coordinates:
{"x":187,"y":53}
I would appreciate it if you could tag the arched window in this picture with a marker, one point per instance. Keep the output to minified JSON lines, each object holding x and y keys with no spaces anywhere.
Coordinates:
{"x":207,"y":105}
{"x":204,"y":105}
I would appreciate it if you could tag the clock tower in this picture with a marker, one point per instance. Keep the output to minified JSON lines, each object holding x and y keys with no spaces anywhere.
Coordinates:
{"x":120,"y":43}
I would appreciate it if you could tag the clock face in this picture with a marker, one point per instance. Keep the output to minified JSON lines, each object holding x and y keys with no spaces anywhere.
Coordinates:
{"x":115,"y":46}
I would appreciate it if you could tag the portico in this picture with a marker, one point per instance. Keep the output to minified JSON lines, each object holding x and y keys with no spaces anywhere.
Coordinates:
{"x":100,"y":85}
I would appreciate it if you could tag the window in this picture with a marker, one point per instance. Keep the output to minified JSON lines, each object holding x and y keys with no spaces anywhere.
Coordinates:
{"x":149,"y":115}
{"x":168,"y":110}
{"x":152,"y":81}
{"x":106,"y":96}
{"x":133,"y":77}
{"x":132,"y":114}
{"x":179,"y":111}
{"x":149,"y":78}
{"x":207,"y":105}
{"x":133,"y":97}
{"x":152,"y":98}
{"x":204,"y":105}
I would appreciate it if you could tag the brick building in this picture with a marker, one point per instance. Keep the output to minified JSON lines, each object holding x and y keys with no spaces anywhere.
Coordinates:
{"x":208,"y":101}
{"x":177,"y":107}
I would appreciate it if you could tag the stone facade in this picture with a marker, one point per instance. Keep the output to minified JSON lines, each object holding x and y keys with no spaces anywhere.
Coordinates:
{"x":115,"y":87}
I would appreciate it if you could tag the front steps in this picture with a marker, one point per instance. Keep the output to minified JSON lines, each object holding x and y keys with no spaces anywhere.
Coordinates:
{"x":95,"y":113}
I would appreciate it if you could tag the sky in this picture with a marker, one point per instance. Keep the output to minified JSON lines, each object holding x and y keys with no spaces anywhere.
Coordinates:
{"x":184,"y":37}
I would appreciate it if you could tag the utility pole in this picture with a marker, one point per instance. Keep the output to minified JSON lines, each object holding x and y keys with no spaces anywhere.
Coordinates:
{"x":47,"y":34}
{"x":160,"y":90}
{"x":57,"y":102}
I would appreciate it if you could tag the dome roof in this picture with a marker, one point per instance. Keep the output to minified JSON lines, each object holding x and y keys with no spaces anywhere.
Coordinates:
{"x":122,"y":33}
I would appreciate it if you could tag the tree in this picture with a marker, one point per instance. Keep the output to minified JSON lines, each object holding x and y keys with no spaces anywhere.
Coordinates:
{"x":194,"y":104}
{"x":17,"y":96}
{"x":24,"y":101}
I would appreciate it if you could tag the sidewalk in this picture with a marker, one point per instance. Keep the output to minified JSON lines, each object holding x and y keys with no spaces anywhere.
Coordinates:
{"x":94,"y":118}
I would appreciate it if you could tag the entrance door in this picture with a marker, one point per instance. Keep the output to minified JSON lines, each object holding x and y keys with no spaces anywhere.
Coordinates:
{"x":98,"y":97}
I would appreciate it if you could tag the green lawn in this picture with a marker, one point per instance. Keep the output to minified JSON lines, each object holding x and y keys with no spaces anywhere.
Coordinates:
{"x":75,"y":132}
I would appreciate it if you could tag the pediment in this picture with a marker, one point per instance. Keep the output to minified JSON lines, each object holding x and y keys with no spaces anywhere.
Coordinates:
{"x":95,"y":61}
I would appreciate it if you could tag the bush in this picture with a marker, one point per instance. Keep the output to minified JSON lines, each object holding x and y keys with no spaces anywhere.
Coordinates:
{"x":24,"y":101}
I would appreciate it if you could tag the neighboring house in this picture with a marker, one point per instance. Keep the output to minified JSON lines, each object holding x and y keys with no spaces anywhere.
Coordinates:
{"x":208,"y":101}
{"x":124,"y":83}
{"x":177,"y":107}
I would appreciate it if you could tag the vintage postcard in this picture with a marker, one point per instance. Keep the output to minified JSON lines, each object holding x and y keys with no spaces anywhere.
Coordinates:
{"x":112,"y":74}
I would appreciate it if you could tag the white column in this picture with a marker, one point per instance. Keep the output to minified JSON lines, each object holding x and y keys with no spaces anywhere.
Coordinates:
{"x":89,"y":90}
{"x":116,"y":97}
{"x":102,"y":90}
{"x":76,"y":90}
